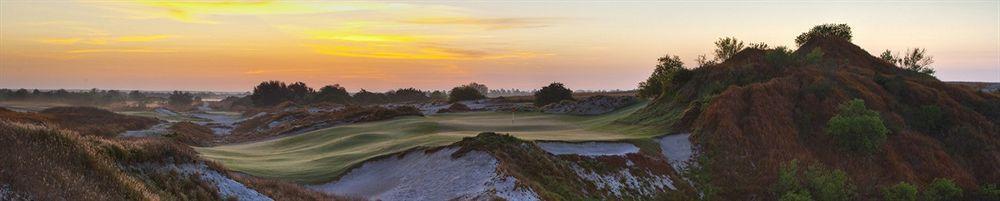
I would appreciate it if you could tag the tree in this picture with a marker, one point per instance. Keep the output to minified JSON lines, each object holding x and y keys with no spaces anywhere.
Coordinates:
{"x":367,"y":97}
{"x":857,"y":128}
{"x":270,"y":93}
{"x":180,"y":99}
{"x":553,"y":93}
{"x":479,"y":87}
{"x":463,"y":93}
{"x":333,"y":93}
{"x":841,"y":31}
{"x":702,"y":60}
{"x":298,"y":91}
{"x":407,"y":94}
{"x":439,"y":95}
{"x":658,"y":82}
{"x":915,"y":60}
{"x":726,"y":48}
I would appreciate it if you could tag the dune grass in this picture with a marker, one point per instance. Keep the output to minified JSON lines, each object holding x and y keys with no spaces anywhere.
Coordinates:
{"x":320,"y":156}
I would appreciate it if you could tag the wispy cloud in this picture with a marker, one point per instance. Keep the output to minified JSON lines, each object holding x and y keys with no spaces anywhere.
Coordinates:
{"x":200,"y":11}
{"x":113,"y":50}
{"x":104,"y":40}
{"x":488,"y":23}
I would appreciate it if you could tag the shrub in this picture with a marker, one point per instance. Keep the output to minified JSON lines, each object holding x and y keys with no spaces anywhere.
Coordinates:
{"x":553,"y":93}
{"x":857,"y":128}
{"x":367,"y":97}
{"x":481,"y":88}
{"x":900,"y":192}
{"x":463,"y":93}
{"x":990,"y":192}
{"x":180,"y":99}
{"x":930,"y":119}
{"x":298,"y":91}
{"x":662,"y":76}
{"x":270,"y":93}
{"x":942,"y":189}
{"x":702,"y":60}
{"x":779,"y":56}
{"x":726,"y":47}
{"x":332,"y":93}
{"x":788,"y":179}
{"x":439,"y":95}
{"x":841,"y":31}
{"x":814,"y":56}
{"x":795,"y":196}
{"x":407,"y":94}
{"x":915,"y":60}
{"x":829,"y":185}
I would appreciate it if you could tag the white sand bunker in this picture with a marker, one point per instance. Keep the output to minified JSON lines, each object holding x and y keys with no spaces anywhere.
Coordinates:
{"x":589,"y":148}
{"x":678,"y":150}
{"x":433,"y":176}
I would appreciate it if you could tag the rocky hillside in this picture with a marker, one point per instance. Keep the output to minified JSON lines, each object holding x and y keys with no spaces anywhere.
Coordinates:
{"x":763,"y":108}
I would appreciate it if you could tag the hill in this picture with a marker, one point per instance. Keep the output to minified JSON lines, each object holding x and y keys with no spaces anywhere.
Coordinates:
{"x":763,"y":108}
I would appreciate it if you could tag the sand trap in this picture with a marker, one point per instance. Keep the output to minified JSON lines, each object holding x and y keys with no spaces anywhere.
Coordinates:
{"x":588,"y":148}
{"x":678,"y":149}
{"x":624,"y":182}
{"x":434,"y":176}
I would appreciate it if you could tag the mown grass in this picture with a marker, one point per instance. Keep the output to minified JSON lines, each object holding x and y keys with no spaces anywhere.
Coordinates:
{"x":319,"y":156}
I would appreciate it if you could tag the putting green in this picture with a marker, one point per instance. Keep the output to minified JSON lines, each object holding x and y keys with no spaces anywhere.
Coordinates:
{"x":319,"y":156}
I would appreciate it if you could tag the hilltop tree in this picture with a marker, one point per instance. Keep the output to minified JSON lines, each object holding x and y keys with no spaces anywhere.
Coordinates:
{"x":270,"y":93}
{"x":667,"y":67}
{"x":726,"y":47}
{"x":298,"y":91}
{"x":479,"y":87}
{"x":463,"y":93}
{"x":841,"y":31}
{"x":553,"y":93}
{"x":332,"y":93}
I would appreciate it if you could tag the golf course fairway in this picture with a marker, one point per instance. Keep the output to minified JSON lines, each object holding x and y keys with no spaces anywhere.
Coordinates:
{"x":320,"y":156}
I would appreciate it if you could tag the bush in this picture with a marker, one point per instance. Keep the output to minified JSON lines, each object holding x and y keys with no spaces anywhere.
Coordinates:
{"x":270,"y":93}
{"x":857,"y":128}
{"x":333,"y":93}
{"x":298,"y":91}
{"x":366,"y":97}
{"x":662,"y":76}
{"x":439,"y":95}
{"x":779,"y":56}
{"x":463,"y":93}
{"x":180,"y":99}
{"x":820,"y":184}
{"x":989,"y":192}
{"x":407,"y":94}
{"x":553,"y":93}
{"x":829,"y":185}
{"x":900,"y":192}
{"x":916,"y":60}
{"x":726,"y":47}
{"x":942,"y":189}
{"x":841,"y":31}
{"x":930,"y":119}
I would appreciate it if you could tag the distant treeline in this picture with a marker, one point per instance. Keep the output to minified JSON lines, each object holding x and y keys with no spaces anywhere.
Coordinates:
{"x":97,"y":97}
{"x":270,"y":93}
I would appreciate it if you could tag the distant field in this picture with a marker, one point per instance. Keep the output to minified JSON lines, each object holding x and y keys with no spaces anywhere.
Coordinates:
{"x":321,"y":155}
{"x":23,"y":106}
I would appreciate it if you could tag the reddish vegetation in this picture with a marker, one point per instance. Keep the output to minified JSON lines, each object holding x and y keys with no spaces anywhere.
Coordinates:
{"x":191,"y":134}
{"x":94,"y":121}
{"x":750,"y":116}
{"x":298,"y":121}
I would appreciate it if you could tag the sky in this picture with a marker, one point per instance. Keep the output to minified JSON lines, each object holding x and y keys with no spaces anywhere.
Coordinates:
{"x":383,"y":45}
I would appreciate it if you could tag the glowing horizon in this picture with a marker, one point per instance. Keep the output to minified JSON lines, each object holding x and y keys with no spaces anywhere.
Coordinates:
{"x":378,"y":46}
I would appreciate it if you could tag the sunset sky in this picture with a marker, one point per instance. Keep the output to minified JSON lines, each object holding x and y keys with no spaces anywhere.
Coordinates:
{"x":230,"y":46}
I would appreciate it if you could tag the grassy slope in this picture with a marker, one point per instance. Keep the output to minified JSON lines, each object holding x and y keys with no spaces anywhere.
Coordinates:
{"x":319,"y":156}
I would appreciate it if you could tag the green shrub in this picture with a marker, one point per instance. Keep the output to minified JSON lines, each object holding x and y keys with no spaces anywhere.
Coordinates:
{"x":942,"y":189}
{"x":726,"y":48}
{"x":795,"y":196}
{"x":900,"y":192}
{"x":663,"y":75}
{"x":814,"y":56}
{"x":857,"y":128}
{"x":788,"y":179}
{"x":826,"y":30}
{"x":930,"y":119}
{"x":829,"y":185}
{"x":464,"y":93}
{"x":779,"y":56}
{"x":553,"y":93}
{"x":990,"y":192}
